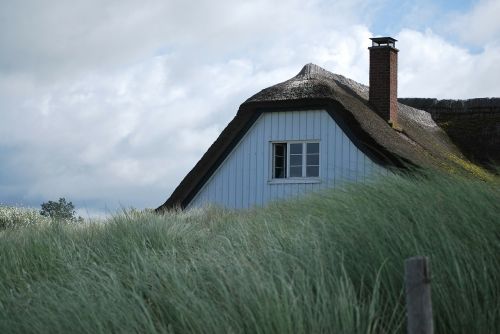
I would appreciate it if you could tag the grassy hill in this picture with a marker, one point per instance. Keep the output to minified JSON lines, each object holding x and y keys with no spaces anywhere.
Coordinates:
{"x":330,"y":262}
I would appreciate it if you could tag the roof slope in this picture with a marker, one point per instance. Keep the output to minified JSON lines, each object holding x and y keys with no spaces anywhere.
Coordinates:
{"x":420,"y":143}
{"x":473,"y":125}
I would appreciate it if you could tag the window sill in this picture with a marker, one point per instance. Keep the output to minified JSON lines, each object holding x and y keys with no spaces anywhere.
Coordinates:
{"x":295,"y":180}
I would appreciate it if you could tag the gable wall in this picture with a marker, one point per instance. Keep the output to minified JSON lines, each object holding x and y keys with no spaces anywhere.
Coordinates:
{"x":242,"y":180}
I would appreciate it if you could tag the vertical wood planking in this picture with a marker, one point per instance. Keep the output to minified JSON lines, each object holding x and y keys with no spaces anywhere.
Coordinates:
{"x":245,"y":171}
{"x":353,"y":155}
{"x":345,"y":157}
{"x":294,"y":134}
{"x":338,"y":155}
{"x":327,"y":157}
{"x":259,"y":142}
{"x":283,"y":116}
{"x":266,"y":120}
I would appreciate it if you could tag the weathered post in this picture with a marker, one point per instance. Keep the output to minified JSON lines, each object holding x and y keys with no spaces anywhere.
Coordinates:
{"x":418,"y":295}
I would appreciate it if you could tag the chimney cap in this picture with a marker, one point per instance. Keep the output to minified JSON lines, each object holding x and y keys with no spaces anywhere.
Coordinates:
{"x":383,"y":42}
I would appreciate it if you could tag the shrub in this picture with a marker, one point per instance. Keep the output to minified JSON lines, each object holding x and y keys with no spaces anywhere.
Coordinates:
{"x":61,"y":210}
{"x":15,"y":217}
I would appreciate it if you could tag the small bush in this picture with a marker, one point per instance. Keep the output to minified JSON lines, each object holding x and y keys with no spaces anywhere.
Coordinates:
{"x":16,"y":217}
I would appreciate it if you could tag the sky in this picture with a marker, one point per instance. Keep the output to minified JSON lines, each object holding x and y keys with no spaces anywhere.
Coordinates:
{"x":110,"y":103}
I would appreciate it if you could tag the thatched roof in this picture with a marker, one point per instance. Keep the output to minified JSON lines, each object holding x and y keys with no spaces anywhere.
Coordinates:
{"x":420,"y":143}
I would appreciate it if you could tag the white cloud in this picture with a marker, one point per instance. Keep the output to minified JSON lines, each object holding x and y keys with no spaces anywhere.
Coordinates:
{"x":56,"y":38}
{"x":429,"y":66}
{"x":480,"y":26}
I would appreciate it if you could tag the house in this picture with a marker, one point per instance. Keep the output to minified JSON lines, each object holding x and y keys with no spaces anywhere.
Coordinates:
{"x":316,"y":130}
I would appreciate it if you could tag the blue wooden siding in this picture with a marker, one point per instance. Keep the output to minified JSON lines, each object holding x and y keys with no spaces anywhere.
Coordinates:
{"x":243,"y":179}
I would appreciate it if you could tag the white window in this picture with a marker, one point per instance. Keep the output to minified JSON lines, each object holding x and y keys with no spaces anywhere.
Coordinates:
{"x":295,"y":160}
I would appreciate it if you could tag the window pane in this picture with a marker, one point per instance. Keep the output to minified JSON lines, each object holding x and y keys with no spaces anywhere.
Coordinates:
{"x":296,"y":148}
{"x":312,"y":159}
{"x":312,"y":148}
{"x":295,"y":160}
{"x":312,"y":171}
{"x":279,"y":149}
{"x":279,"y":160}
{"x":296,"y":171}
{"x":279,"y":173}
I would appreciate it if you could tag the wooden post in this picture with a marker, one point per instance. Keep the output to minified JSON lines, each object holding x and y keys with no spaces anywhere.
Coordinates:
{"x":418,"y":295}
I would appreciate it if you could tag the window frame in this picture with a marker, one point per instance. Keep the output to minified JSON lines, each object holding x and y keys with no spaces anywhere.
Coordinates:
{"x":296,"y":179}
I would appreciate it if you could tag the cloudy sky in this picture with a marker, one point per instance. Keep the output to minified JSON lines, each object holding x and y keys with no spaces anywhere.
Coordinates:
{"x":110,"y":103}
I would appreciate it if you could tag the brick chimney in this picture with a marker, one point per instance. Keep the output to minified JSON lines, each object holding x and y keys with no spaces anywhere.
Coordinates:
{"x":384,"y":78}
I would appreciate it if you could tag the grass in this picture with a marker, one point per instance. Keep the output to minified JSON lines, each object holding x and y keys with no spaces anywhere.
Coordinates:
{"x":330,"y":262}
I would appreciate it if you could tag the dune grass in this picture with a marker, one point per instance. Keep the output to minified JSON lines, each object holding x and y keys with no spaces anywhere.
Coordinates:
{"x":330,"y":262}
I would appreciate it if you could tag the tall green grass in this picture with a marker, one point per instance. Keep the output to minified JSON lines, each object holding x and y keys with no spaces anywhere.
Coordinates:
{"x":331,"y":262}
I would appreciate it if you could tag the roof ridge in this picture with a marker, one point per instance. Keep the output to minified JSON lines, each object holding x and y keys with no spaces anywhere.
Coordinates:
{"x":311,"y":70}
